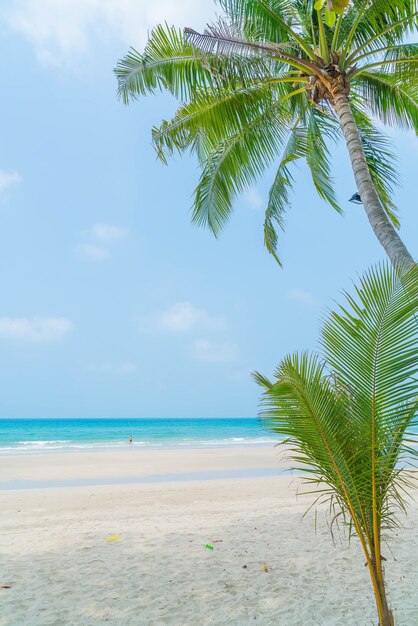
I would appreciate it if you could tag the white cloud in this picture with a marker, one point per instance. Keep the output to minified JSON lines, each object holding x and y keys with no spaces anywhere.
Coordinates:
{"x":35,"y":329}
{"x":254,"y":198}
{"x":101,"y":237}
{"x":8,"y":179}
{"x":92,"y":252}
{"x":303,"y":296}
{"x":205,"y":350}
{"x":108,"y":232}
{"x":183,"y":316}
{"x":64,"y":31}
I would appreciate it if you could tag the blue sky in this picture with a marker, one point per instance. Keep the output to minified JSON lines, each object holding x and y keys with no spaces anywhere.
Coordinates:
{"x":112,"y":303}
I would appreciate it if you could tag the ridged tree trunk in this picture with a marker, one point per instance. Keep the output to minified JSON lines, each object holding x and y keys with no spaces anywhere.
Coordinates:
{"x":383,"y":228}
{"x":385,"y":614}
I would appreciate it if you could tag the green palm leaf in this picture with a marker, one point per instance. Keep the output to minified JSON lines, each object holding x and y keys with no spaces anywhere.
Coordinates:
{"x":236,"y":164}
{"x":382,"y":23}
{"x":308,"y":141}
{"x":392,"y":100}
{"x":269,"y":21}
{"x":321,"y":130}
{"x":278,"y":203}
{"x":168,"y":62}
{"x":347,"y":414}
{"x":221,"y":113}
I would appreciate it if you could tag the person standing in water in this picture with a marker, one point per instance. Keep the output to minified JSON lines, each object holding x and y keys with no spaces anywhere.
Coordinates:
{"x":131,"y":440}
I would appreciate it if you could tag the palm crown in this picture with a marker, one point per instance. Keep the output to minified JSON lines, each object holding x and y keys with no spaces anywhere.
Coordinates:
{"x":268,"y":84}
{"x":348,"y":412}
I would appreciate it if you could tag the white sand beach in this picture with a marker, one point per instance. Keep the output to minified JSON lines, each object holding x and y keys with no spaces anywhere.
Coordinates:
{"x":268,"y":566}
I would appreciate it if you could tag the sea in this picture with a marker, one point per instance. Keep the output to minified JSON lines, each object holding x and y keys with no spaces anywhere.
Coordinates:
{"x":43,"y":435}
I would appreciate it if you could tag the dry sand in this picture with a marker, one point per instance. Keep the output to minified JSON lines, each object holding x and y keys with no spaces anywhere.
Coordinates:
{"x":269,"y":566}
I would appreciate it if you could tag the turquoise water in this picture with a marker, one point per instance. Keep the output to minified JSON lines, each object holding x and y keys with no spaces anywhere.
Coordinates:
{"x":36,"y":435}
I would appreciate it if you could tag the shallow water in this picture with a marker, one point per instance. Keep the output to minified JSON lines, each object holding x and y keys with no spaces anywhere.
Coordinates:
{"x":42,"y":435}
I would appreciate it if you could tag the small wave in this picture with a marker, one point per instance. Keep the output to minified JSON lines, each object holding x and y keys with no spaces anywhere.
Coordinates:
{"x":44,"y":443}
{"x":71,"y":445}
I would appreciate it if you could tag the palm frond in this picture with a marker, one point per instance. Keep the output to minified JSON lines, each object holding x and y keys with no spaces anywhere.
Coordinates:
{"x":307,"y":140}
{"x":221,"y":112}
{"x":371,"y":21}
{"x":405,"y":51}
{"x":219,"y":39}
{"x":265,"y":20}
{"x":279,"y":201}
{"x":386,"y":53}
{"x":348,"y":413}
{"x":320,"y":129}
{"x":168,"y":62}
{"x":302,"y":406}
{"x":387,"y":31}
{"x":391,"y":100}
{"x":372,"y":347}
{"x":237,"y":163}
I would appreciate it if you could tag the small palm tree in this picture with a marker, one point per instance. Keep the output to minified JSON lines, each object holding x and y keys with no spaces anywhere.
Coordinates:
{"x":347,"y":412}
{"x":282,"y":80}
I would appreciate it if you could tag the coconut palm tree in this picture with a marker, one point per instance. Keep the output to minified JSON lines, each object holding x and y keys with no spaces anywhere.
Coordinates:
{"x":276,"y":81}
{"x":346,"y":413}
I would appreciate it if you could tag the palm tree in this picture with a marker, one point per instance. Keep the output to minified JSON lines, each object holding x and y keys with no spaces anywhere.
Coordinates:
{"x":282,"y":80}
{"x":346,"y":413}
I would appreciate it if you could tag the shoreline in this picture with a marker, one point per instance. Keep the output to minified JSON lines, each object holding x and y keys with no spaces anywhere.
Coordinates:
{"x":135,"y":464}
{"x":138,"y":480}
{"x":98,"y":447}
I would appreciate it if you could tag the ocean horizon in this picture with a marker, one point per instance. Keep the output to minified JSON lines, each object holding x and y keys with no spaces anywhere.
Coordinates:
{"x":23,"y":435}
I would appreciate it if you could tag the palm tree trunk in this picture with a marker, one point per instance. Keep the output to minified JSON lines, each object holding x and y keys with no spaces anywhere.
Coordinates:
{"x":385,"y":614}
{"x":383,"y":228}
